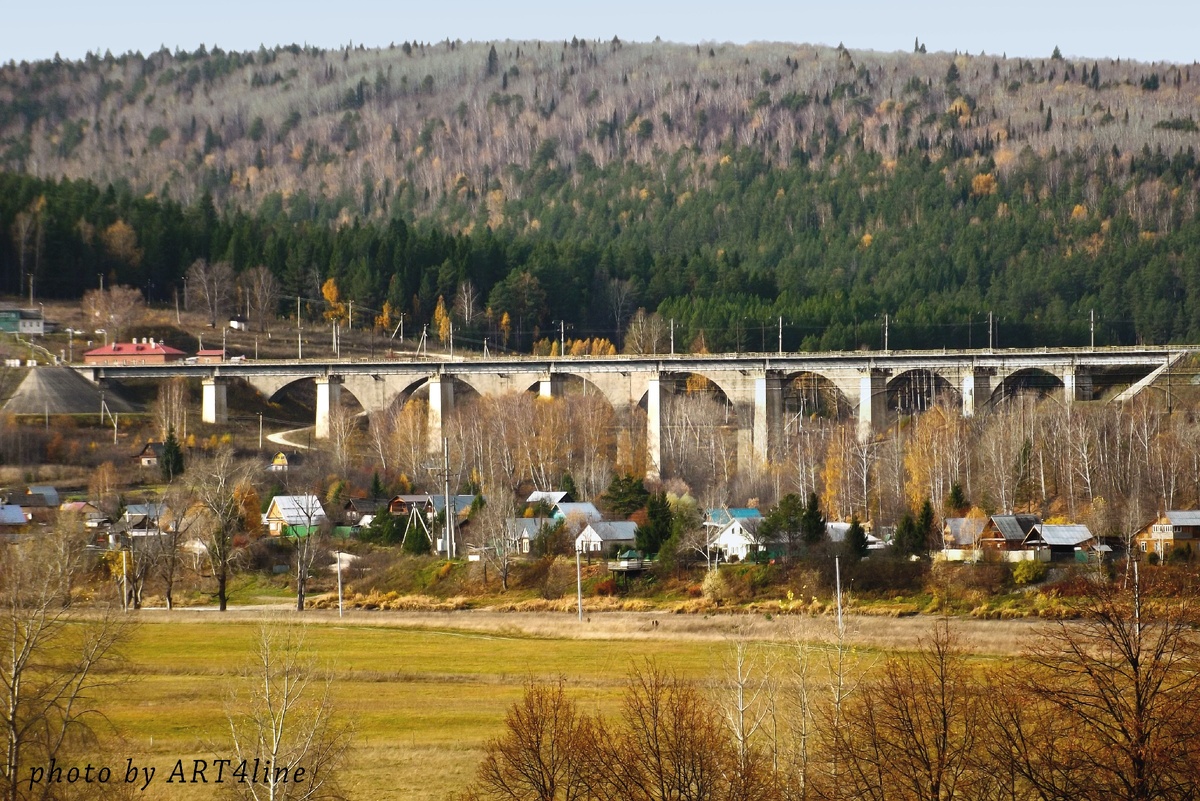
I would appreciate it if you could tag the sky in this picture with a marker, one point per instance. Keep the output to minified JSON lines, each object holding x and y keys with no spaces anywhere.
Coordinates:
{"x":1164,"y":31}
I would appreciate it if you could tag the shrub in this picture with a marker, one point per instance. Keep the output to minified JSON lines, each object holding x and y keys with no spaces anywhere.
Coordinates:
{"x":607,"y":587}
{"x":1028,"y":572}
{"x":714,"y":586}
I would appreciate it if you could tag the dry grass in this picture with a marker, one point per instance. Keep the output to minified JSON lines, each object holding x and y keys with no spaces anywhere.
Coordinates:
{"x":426,"y":690}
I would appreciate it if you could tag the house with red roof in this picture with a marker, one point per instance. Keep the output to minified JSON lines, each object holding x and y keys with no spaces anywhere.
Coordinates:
{"x":144,"y":351}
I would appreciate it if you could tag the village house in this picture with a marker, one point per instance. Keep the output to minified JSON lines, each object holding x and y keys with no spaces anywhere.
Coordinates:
{"x":12,"y":522}
{"x":150,"y":454}
{"x":26,"y":322}
{"x":550,"y":498}
{"x":565,"y":510}
{"x":295,"y":515}
{"x":355,"y":510}
{"x":522,"y":531}
{"x":1062,"y":542}
{"x":603,"y":536}
{"x":210,"y":356}
{"x":737,"y":540}
{"x":280,"y":462}
{"x":1007,"y":532}
{"x":1172,"y":529}
{"x":961,"y":538}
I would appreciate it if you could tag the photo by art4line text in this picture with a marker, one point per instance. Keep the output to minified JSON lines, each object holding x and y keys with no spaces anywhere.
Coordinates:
{"x":184,"y":771}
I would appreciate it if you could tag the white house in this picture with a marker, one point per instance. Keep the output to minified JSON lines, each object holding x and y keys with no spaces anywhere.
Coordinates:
{"x":600,"y":536}
{"x":737,"y":539}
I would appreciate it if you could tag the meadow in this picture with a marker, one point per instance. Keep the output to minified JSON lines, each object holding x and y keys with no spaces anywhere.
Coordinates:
{"x":425,"y":691}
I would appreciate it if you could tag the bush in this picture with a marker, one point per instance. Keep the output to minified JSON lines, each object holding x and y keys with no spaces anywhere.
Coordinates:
{"x":714,"y":586}
{"x":1028,"y":572}
{"x":606,"y":587}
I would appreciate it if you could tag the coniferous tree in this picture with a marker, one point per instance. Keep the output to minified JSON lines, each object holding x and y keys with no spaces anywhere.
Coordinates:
{"x":624,"y":496}
{"x":856,"y":540}
{"x":812,"y":522}
{"x":908,"y":541}
{"x":926,"y":525}
{"x":171,"y":461}
{"x":657,"y":529}
{"x":785,"y":523}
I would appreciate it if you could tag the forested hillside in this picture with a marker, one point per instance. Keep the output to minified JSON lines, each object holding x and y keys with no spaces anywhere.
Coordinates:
{"x":533,"y":183}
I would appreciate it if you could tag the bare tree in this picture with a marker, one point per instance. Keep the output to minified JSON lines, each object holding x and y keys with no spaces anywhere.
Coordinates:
{"x":214,"y":283}
{"x":542,"y":753}
{"x":115,"y":309}
{"x":646,"y":334}
{"x":282,"y":714}
{"x":619,"y":294}
{"x":343,"y":436}
{"x":177,"y":519}
{"x":263,"y":289}
{"x":466,"y":302}
{"x":52,"y":660}
{"x":1107,"y":707}
{"x":913,"y":733}
{"x":171,"y":407}
{"x":490,"y":536}
{"x":213,"y":483}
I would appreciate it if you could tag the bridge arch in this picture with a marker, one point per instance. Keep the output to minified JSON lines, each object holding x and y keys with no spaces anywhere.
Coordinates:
{"x":917,"y":390}
{"x":806,"y":394}
{"x":1027,"y":381}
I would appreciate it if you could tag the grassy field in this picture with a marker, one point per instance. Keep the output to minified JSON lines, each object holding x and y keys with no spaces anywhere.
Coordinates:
{"x":425,"y":691}
{"x":424,"y":695}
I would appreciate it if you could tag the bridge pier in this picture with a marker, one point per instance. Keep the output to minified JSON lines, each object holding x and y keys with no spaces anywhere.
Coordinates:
{"x":329,"y":397}
{"x":768,"y":411}
{"x":441,"y":403}
{"x":550,"y":385}
{"x":653,"y":428}
{"x":213,"y":404}
{"x":976,"y":390}
{"x":872,"y":402}
{"x":1076,"y":385}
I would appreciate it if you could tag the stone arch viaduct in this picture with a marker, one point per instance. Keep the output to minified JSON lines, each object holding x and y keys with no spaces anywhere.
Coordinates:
{"x":753,"y":384}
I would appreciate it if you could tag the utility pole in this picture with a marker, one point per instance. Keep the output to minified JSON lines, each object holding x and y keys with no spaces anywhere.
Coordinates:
{"x":562,"y":338}
{"x":672,"y":343}
{"x":1092,"y":314}
{"x":350,"y":316}
{"x":781,"y":335}
{"x":448,"y":528}
{"x":579,"y":584}
{"x":260,"y":431}
{"x":990,"y":329}
{"x":885,"y":331}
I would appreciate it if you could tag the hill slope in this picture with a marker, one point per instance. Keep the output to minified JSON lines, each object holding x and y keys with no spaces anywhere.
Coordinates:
{"x":730,"y":189}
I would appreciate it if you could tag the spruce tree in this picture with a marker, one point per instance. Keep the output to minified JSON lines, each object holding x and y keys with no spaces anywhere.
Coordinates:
{"x":171,"y":461}
{"x":856,"y":540}
{"x":812,"y":522}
